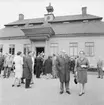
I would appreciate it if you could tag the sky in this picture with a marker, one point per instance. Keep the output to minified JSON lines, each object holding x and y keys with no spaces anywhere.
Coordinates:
{"x":10,"y":9}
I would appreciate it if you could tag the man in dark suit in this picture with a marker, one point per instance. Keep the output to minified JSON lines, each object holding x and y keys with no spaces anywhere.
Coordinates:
{"x":63,"y":65}
{"x":38,"y":65}
{"x":27,"y":69}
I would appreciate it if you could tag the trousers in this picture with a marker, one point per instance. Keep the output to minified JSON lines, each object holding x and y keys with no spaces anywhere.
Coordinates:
{"x":100,"y":72}
{"x":66,"y":86}
{"x":27,"y":84}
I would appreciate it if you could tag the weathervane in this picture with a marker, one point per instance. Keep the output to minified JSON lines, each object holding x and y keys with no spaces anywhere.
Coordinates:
{"x":49,"y":9}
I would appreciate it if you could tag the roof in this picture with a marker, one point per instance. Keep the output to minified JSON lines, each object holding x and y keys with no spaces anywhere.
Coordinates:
{"x":11,"y":32}
{"x":39,"y":31}
{"x":56,"y":19}
{"x":71,"y":29}
{"x":75,"y":28}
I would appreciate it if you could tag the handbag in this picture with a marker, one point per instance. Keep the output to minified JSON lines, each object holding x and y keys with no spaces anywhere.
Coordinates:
{"x":75,"y":80}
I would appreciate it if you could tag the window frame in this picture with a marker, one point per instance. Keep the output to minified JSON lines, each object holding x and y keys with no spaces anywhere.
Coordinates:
{"x":12,"y":49}
{"x":27,"y":48}
{"x":90,"y":49}
{"x":54,"y":45}
{"x":74,"y":45}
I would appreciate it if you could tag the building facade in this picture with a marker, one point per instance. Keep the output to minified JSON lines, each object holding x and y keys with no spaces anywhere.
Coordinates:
{"x":51,"y":34}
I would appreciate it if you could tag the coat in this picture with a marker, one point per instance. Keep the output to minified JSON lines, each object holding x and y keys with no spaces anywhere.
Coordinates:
{"x":5,"y":61}
{"x":18,"y":60}
{"x":27,"y":67}
{"x":38,"y":64}
{"x":100,"y":64}
{"x":48,"y":66}
{"x":82,"y":72}
{"x":63,"y":65}
{"x":10,"y":62}
{"x":1,"y":61}
{"x":54,"y":69}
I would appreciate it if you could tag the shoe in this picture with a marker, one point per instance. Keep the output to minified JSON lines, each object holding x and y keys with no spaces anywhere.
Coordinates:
{"x":12,"y":85}
{"x":68,"y":92}
{"x":18,"y":85}
{"x":22,"y":82}
{"x":80,"y":94}
{"x":83,"y":92}
{"x":28,"y":87}
{"x":61,"y":92}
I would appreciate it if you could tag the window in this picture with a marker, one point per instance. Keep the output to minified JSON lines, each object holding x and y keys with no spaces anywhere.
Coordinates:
{"x":89,"y":48}
{"x":54,"y":48}
{"x":1,"y":48}
{"x":73,"y":49}
{"x":27,"y":48}
{"x":12,"y":49}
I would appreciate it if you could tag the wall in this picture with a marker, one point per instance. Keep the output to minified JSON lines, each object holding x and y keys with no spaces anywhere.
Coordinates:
{"x":63,"y":43}
{"x":18,"y":44}
{"x":98,"y":46}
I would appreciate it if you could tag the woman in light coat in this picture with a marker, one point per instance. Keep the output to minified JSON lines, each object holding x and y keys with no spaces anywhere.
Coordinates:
{"x":18,"y":60}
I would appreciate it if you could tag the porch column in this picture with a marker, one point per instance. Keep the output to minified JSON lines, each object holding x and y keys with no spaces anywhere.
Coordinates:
{"x":46,"y":48}
{"x":32,"y":46}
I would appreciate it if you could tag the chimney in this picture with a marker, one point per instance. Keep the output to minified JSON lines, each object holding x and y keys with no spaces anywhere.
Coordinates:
{"x":84,"y":11}
{"x":21,"y":17}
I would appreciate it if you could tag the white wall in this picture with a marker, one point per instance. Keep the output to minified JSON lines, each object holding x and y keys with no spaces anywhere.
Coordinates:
{"x":98,"y":46}
{"x":18,"y":44}
{"x":63,"y":43}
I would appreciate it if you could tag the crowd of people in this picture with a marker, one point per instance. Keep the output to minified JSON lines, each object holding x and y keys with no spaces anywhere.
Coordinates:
{"x":59,"y":66}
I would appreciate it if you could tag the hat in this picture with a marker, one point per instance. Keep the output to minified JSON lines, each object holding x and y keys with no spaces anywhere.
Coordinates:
{"x":19,"y":53}
{"x":29,"y":52}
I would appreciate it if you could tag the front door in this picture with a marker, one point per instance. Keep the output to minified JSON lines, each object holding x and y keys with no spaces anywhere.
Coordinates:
{"x":39,"y":50}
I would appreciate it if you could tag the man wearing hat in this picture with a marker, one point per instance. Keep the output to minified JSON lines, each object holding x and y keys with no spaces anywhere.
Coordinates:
{"x":63,"y":65}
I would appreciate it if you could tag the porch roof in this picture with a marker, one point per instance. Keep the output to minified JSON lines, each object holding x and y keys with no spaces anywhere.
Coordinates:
{"x":38,"y":33}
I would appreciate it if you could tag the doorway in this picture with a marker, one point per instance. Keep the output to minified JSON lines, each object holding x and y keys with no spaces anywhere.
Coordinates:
{"x":39,"y":50}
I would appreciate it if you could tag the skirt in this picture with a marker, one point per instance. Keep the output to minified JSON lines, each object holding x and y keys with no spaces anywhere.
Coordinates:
{"x":18,"y":75}
{"x":82,"y":76}
{"x":18,"y":71}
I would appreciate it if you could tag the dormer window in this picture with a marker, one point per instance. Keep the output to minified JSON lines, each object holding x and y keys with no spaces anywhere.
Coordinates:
{"x":85,"y":21}
{"x":31,"y":25}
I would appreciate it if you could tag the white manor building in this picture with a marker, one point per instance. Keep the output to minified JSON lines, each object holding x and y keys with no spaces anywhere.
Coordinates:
{"x":51,"y":34}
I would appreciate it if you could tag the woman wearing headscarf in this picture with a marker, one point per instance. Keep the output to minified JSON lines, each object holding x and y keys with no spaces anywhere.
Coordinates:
{"x":82,"y":65}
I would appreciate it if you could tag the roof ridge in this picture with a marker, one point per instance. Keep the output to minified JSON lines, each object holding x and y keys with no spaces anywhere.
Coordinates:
{"x":57,"y":18}
{"x":60,"y":16}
